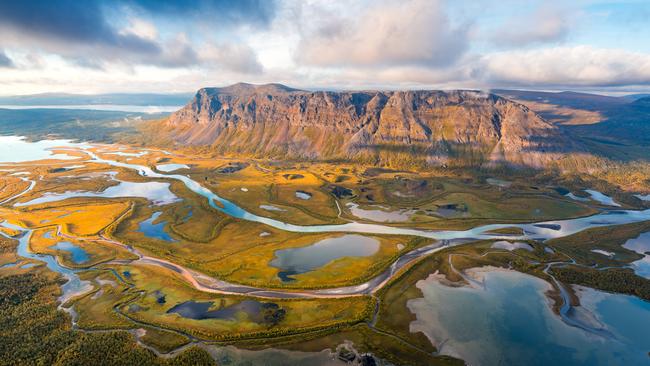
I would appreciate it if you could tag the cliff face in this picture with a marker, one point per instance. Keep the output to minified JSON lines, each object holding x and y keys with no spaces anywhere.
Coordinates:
{"x":390,"y":128}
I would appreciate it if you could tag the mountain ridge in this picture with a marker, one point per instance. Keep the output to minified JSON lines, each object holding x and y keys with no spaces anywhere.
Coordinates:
{"x":394,"y":128}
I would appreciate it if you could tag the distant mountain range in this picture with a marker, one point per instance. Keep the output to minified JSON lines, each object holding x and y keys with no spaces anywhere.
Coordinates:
{"x":394,"y":128}
{"x":615,"y":127}
{"x":139,"y":99}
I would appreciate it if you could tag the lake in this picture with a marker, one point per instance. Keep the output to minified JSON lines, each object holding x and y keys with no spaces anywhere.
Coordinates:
{"x":79,"y":255}
{"x":641,"y":245}
{"x":156,"y":192}
{"x":155,"y":231}
{"x":305,"y":259}
{"x":149,"y":109}
{"x":514,"y":324}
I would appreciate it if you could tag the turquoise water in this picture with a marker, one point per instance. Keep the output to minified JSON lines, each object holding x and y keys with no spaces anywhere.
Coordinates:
{"x":74,"y":284}
{"x":514,"y":324}
{"x":156,"y":231}
{"x":79,"y":255}
{"x":566,"y":227}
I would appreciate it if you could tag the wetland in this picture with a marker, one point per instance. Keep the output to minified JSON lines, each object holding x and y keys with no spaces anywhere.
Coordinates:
{"x":187,"y":276}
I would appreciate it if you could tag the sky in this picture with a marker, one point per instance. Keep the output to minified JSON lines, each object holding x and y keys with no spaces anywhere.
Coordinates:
{"x":101,"y":46}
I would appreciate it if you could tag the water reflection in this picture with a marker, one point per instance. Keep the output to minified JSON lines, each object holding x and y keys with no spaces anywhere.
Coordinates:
{"x":78,"y":254}
{"x":515,"y":325}
{"x":641,"y":245}
{"x":155,"y":231}
{"x":305,"y":259}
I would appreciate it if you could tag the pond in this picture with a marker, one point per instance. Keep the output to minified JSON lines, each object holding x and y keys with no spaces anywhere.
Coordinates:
{"x":171,"y":167}
{"x":515,"y":324}
{"x":201,"y":310}
{"x":604,"y":252}
{"x":303,"y":195}
{"x":155,"y":231}
{"x":499,"y":182}
{"x":602,"y":198}
{"x":643,"y":197}
{"x":596,"y":196}
{"x":271,"y":208}
{"x":133,"y":155}
{"x":78,"y":255}
{"x":641,"y":245}
{"x":502,"y":244}
{"x":305,"y":259}
{"x":380,"y":214}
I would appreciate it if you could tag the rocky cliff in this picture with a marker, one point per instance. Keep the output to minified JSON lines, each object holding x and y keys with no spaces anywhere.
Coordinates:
{"x":394,"y":128}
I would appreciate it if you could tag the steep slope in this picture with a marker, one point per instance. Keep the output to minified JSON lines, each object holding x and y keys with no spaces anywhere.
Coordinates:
{"x":395,"y":128}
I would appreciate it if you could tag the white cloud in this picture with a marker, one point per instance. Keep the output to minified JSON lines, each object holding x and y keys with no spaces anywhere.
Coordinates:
{"x":237,"y":57}
{"x":332,"y":44}
{"x":566,"y":66}
{"x":411,"y":32}
{"x":142,"y":29}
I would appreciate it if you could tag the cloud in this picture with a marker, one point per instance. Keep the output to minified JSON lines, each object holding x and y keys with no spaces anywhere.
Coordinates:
{"x":565,"y":66}
{"x":223,"y":12}
{"x":411,"y":32}
{"x":546,"y":24}
{"x":236,"y":57}
{"x":92,"y":33}
{"x":81,"y":22}
{"x":5,"y":61}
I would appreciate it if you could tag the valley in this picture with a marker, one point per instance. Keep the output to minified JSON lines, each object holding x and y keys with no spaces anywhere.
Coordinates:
{"x":324,"y":183}
{"x":191,"y":253}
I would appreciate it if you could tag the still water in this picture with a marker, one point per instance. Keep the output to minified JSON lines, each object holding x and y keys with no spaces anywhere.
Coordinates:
{"x":305,"y":259}
{"x":79,"y":255}
{"x":514,"y":324}
{"x":155,"y":231}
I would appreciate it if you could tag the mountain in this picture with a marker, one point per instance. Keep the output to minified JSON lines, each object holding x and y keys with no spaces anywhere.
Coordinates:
{"x":585,"y":101}
{"x":628,"y":123}
{"x":633,"y":97}
{"x":141,"y":99}
{"x":393,"y":128}
{"x":617,"y":128}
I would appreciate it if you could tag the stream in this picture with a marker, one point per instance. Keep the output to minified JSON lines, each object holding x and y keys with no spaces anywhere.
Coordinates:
{"x":440,"y":239}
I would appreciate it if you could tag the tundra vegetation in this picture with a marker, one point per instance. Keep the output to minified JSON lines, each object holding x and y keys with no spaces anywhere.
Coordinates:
{"x":132,"y":302}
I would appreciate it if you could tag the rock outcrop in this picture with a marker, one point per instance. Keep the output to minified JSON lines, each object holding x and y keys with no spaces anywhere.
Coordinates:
{"x":393,"y":128}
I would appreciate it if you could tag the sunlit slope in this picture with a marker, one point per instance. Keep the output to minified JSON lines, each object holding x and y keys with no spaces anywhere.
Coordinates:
{"x":393,"y":128}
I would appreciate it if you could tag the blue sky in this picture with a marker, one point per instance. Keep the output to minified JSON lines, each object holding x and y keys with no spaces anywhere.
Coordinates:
{"x":97,"y":46}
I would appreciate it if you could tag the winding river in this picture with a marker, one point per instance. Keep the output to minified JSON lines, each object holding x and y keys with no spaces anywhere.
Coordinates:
{"x":440,"y":239}
{"x":444,"y":238}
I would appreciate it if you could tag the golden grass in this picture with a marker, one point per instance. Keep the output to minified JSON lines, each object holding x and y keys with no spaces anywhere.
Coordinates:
{"x":81,"y":219}
{"x":252,"y":266}
{"x":301,"y":315}
{"x":98,"y":251}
